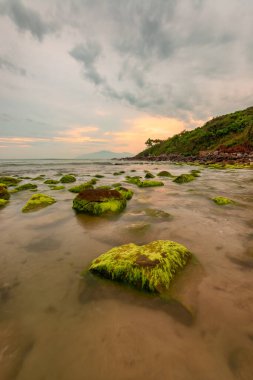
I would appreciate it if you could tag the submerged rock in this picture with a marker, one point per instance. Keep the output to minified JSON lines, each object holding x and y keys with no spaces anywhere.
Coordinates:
{"x":38,"y":201}
{"x":4,"y":193}
{"x":184,"y":178}
{"x":68,"y":178}
{"x":150,"y":267}
{"x":221,"y":201}
{"x":99,"y":201}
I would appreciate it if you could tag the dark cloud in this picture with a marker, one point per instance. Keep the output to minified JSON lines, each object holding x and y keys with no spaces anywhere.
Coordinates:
{"x":6,"y":65}
{"x":88,"y":55}
{"x":26,"y":19}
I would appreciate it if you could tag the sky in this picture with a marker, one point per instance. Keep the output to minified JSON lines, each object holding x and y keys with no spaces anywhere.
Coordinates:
{"x":79,"y":76}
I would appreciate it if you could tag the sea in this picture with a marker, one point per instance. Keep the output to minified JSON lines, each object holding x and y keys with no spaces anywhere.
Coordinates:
{"x":59,"y":322}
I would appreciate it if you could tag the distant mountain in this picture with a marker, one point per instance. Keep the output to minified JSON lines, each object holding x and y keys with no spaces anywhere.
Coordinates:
{"x":228,"y":133}
{"x":104,"y":154}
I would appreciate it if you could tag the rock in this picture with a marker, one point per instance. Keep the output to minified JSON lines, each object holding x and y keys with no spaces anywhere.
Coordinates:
{"x":126,"y":193}
{"x":38,"y":201}
{"x":164,"y":173}
{"x":149,"y":175}
{"x":97,"y":201}
{"x":51,"y":182}
{"x":81,"y":187}
{"x":26,"y":186}
{"x":221,"y":201}
{"x":57,"y":187}
{"x":184,"y":178}
{"x":4,"y":193}
{"x":99,"y":176}
{"x":150,"y":183}
{"x":9,"y":181}
{"x":68,"y":178}
{"x":150,"y":267}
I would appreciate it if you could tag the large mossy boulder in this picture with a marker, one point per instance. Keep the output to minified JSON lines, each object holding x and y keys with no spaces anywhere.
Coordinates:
{"x":4,"y":194}
{"x":151,"y":267}
{"x":99,"y":201}
{"x":68,"y":178}
{"x":37,"y":202}
{"x":184,"y":178}
{"x":9,"y":181}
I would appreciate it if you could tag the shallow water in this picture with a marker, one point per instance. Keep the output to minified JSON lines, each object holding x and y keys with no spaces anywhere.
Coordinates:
{"x":56,"y":325}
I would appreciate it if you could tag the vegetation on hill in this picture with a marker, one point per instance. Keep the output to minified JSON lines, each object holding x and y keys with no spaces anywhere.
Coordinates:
{"x":231,"y":132}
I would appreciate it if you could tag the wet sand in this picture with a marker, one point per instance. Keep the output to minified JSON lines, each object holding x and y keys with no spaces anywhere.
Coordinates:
{"x":56,"y":325}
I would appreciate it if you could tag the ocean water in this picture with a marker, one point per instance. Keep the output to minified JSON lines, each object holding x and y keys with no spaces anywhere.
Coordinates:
{"x":55,"y":324}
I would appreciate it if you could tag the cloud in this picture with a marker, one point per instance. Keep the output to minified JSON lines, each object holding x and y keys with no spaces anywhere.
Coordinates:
{"x":88,"y":55}
{"x":138,"y":130}
{"x":6,"y":65}
{"x":26,"y":19}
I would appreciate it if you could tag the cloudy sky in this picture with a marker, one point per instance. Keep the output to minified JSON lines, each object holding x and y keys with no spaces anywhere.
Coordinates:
{"x":79,"y":76}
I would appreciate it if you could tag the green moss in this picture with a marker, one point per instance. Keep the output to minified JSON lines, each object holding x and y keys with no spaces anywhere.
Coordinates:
{"x":117,"y":184}
{"x":150,"y":267}
{"x":26,"y":186}
{"x":57,"y":187}
{"x":195,"y":172}
{"x":51,"y":182}
{"x":134,"y":180}
{"x":150,"y":183}
{"x":38,"y":201}
{"x":223,"y":201}
{"x":149,"y":175}
{"x":164,"y":173}
{"x":184,"y":178}
{"x":4,"y":193}
{"x":67,"y":178}
{"x":81,"y":187}
{"x":104,"y":187}
{"x":3,"y":202}
{"x":9,"y":181}
{"x":99,"y":176}
{"x":39,"y":178}
{"x":126,"y":193}
{"x":98,"y":202}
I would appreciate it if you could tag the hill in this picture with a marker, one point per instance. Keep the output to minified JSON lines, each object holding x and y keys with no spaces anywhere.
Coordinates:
{"x":104,"y":154}
{"x":228,"y":133}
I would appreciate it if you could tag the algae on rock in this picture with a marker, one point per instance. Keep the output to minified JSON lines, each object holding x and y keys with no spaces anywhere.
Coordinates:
{"x":82,"y":187}
{"x":9,"y":181}
{"x":38,"y":201}
{"x":68,"y":178}
{"x":164,"y":173}
{"x":4,"y":193}
{"x":221,"y":201}
{"x":99,"y":201}
{"x":151,"y":267}
{"x":26,"y":186}
{"x":184,"y":178}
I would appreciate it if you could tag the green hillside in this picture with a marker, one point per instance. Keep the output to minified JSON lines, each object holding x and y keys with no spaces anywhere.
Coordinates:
{"x":231,"y":132}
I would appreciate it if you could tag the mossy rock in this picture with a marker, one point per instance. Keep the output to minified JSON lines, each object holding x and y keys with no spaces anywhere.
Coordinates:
{"x":195,"y":172}
{"x":81,"y":187}
{"x":9,"y":181}
{"x":134,"y":180}
{"x":149,"y":175}
{"x":98,"y":176}
{"x":150,"y":183}
{"x":164,"y":173}
{"x":39,"y":178}
{"x":104,"y":187}
{"x":68,"y":178}
{"x":38,"y":201}
{"x":57,"y":187}
{"x":150,"y":267}
{"x":126,"y":193}
{"x":4,"y":193}
{"x":119,"y":173}
{"x":155,"y":213}
{"x":26,"y":186}
{"x":98,"y":202}
{"x":221,"y":201}
{"x":51,"y":182}
{"x":3,"y":202}
{"x":117,"y":184}
{"x":184,"y":178}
